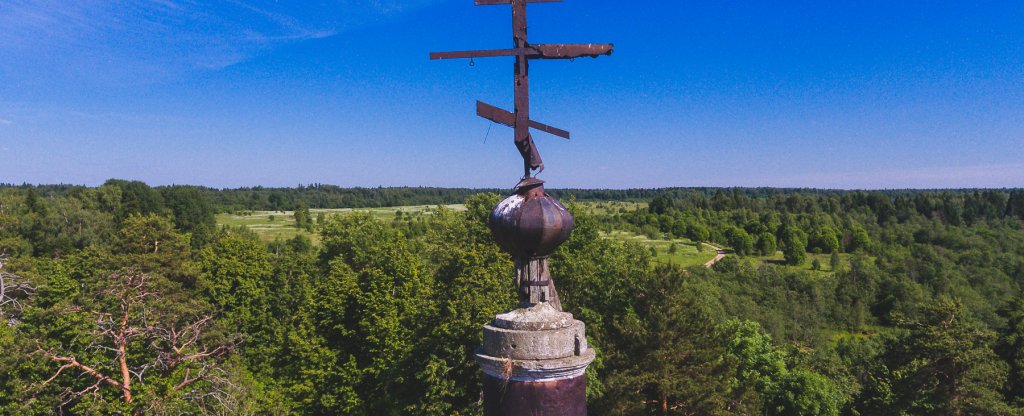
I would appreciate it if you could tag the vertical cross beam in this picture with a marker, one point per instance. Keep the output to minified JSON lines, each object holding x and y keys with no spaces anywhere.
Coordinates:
{"x":522,"y":90}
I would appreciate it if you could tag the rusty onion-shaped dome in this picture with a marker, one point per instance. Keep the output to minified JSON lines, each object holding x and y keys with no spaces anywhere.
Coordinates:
{"x":530,"y":223}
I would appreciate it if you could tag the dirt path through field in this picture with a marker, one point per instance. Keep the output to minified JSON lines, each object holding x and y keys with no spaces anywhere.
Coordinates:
{"x":721,"y":255}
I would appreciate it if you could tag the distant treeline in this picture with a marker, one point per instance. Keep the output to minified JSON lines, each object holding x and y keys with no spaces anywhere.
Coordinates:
{"x":331,"y":196}
{"x":287,"y":199}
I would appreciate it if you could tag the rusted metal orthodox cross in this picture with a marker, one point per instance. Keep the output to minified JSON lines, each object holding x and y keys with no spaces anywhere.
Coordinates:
{"x":524,"y":52}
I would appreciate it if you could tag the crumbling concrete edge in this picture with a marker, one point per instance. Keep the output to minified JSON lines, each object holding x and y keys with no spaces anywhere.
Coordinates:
{"x":535,"y":371}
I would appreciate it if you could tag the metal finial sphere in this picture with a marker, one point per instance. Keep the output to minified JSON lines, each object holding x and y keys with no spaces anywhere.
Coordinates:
{"x":530,"y":223}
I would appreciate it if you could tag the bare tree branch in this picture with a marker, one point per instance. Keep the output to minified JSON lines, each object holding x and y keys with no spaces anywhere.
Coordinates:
{"x":72,"y":362}
{"x":177,"y":346}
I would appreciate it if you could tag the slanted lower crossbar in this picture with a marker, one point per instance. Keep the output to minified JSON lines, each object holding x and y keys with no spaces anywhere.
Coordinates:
{"x":500,"y":116}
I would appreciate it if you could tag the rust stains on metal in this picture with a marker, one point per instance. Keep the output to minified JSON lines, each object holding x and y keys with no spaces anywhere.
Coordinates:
{"x":549,"y":398}
{"x":523,"y":51}
{"x":589,"y":50}
{"x":530,"y":223}
{"x":537,"y":51}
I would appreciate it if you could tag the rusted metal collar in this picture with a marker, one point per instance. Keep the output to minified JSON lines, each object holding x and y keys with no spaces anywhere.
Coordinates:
{"x":530,"y":188}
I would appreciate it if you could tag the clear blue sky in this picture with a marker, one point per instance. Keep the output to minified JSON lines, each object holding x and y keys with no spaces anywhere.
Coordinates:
{"x":858,"y":94}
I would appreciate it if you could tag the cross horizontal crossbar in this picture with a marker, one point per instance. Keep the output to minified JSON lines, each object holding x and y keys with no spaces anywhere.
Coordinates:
{"x":496,"y":2}
{"x":488,"y":53}
{"x":538,"y":51}
{"x":500,"y":116}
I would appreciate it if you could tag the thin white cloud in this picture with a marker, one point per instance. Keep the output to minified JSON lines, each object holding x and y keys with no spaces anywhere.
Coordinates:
{"x":5,"y":121}
{"x":263,"y":38}
{"x":146,"y":41}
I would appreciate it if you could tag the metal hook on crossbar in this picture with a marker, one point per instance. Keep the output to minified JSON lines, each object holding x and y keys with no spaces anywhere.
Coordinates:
{"x":472,"y":62}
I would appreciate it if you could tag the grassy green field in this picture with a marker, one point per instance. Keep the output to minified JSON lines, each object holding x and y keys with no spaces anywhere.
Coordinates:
{"x":280,"y":225}
{"x":823,"y":259}
{"x":685,"y":255}
{"x":268,"y":225}
{"x":612,"y":207}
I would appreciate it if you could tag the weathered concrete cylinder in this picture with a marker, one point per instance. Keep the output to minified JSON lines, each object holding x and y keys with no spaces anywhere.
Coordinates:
{"x":534,"y":362}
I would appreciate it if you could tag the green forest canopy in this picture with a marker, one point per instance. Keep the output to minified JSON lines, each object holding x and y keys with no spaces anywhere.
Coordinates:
{"x":128,"y":298}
